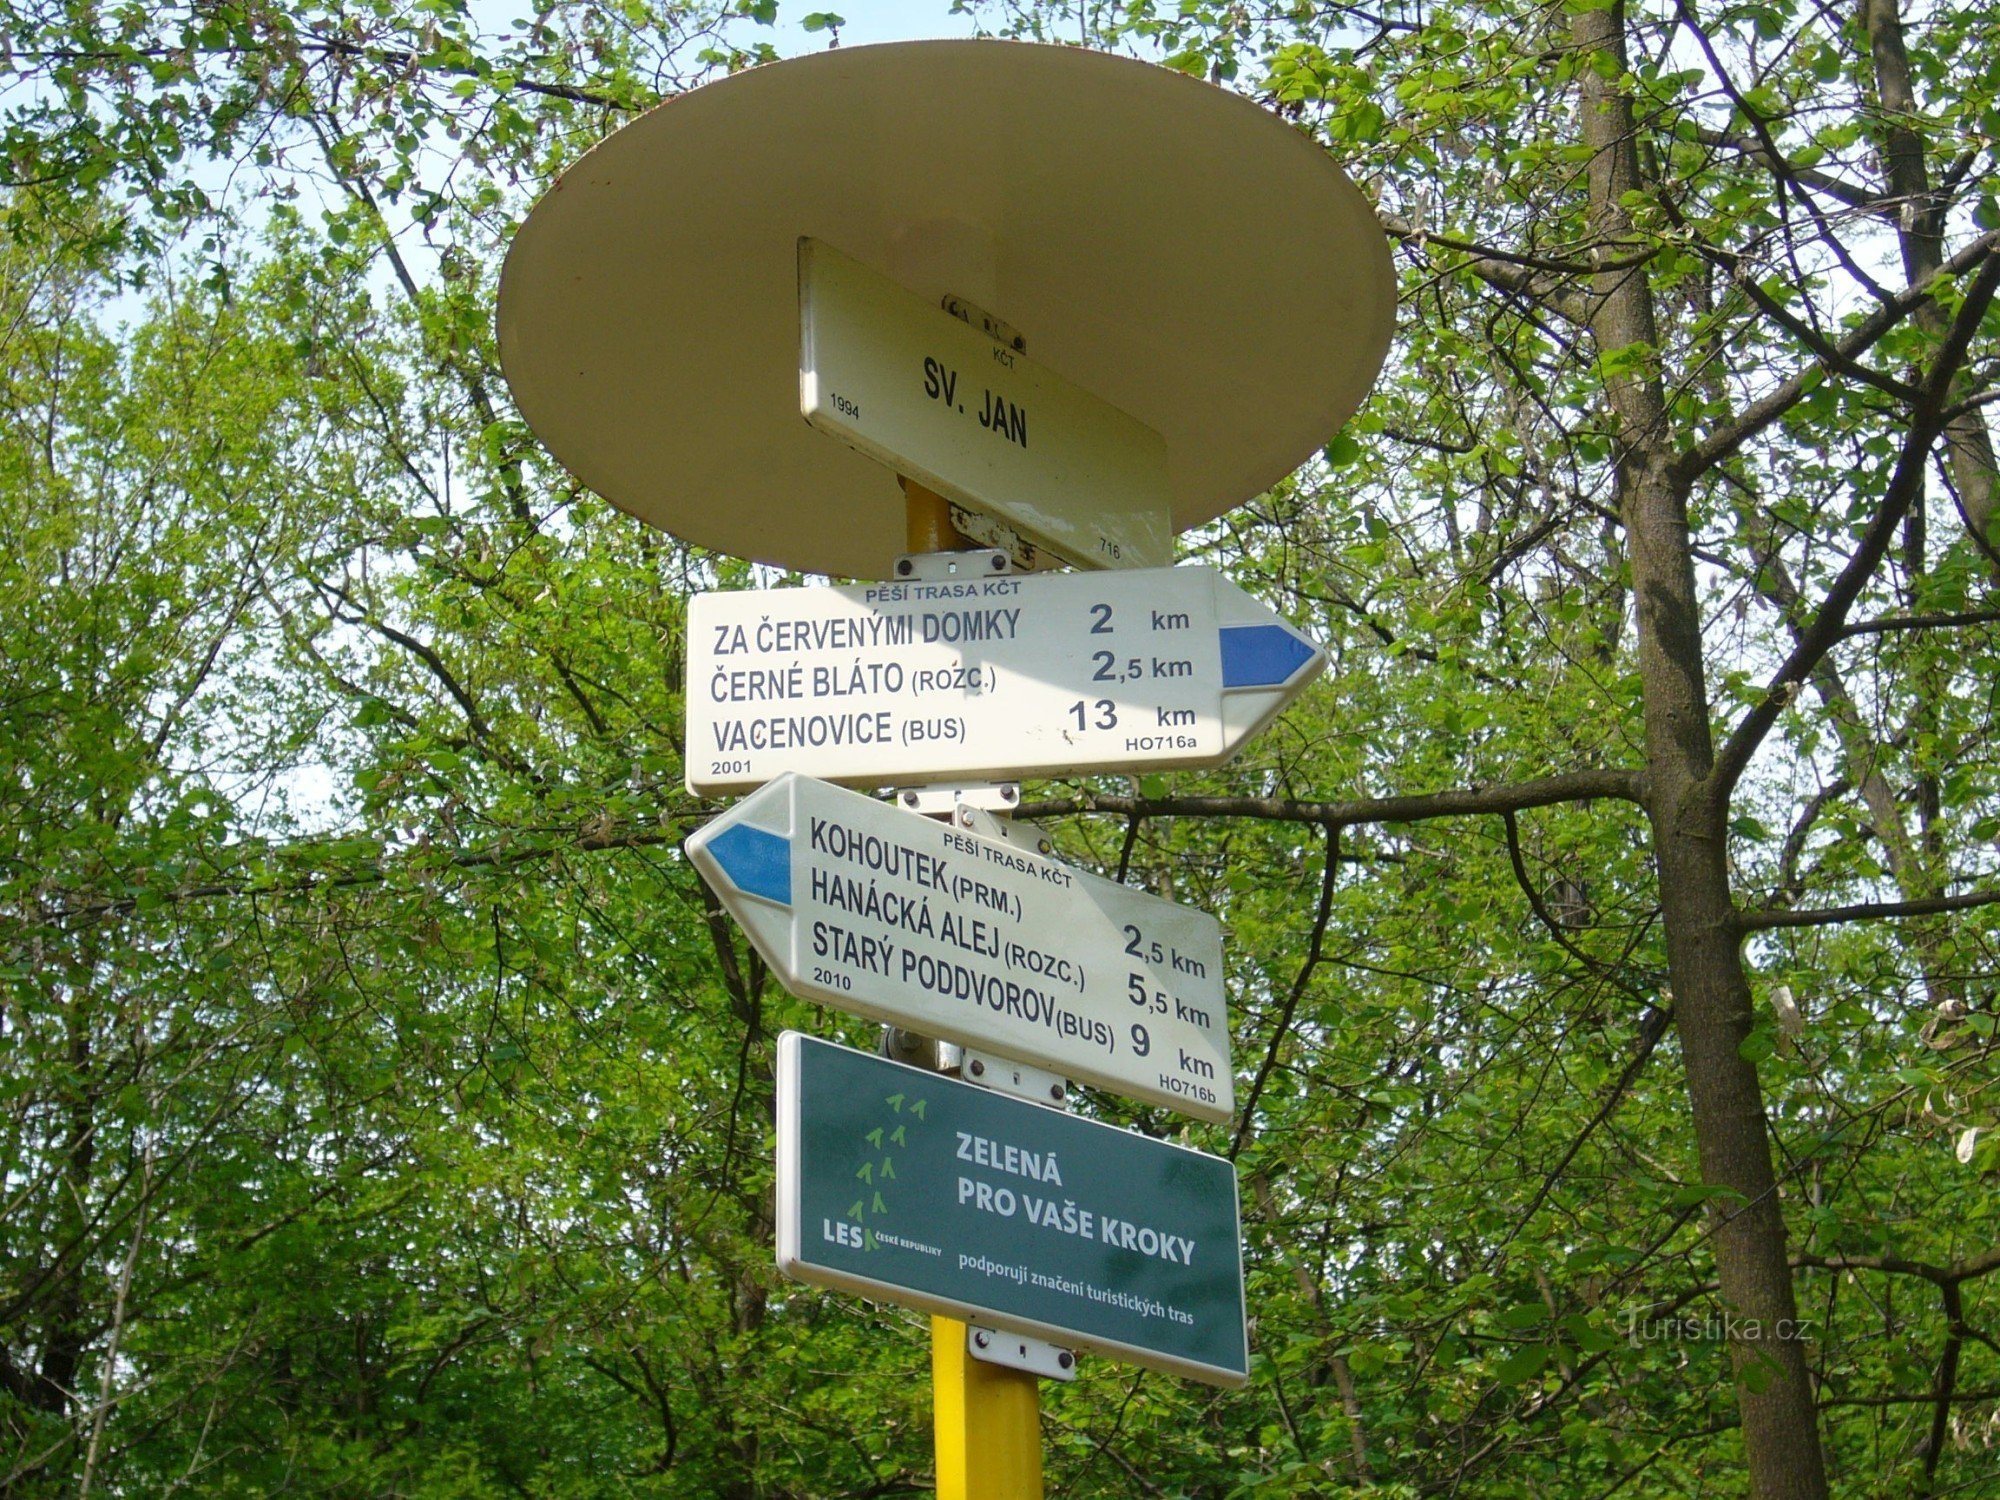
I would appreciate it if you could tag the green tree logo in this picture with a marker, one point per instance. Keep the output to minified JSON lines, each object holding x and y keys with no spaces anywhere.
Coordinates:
{"x":879,"y":1164}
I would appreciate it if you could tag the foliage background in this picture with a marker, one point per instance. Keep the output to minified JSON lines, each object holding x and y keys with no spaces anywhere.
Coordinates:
{"x":384,"y":1105}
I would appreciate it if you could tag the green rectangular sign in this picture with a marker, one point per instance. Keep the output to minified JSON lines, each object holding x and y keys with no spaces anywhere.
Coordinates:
{"x":918,"y":1189}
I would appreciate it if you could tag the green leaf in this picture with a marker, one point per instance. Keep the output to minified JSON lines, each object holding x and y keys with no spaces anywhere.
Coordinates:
{"x":1524,"y":1315}
{"x":1522,"y":1365}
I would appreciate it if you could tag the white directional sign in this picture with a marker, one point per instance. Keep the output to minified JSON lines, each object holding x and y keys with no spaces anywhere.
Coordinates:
{"x":975,"y":419}
{"x":994,"y":678}
{"x":965,"y":936}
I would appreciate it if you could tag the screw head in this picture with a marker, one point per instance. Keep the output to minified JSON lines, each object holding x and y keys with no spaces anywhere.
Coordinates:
{"x":1056,"y":1092}
{"x":1065,"y":1359}
{"x":909,"y":799}
{"x":999,"y":561}
{"x":965,"y":817}
{"x":1010,"y":793}
{"x":981,"y":1338}
{"x":904,"y":567}
{"x":978,"y":1068}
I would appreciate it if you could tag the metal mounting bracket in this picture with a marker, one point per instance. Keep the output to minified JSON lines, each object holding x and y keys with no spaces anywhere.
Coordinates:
{"x":1005,"y":1076}
{"x":919,"y":1051}
{"x":996,"y":1346}
{"x":977,"y":817}
{"x":993,"y":532}
{"x":946,"y":567}
{"x":945,"y":800}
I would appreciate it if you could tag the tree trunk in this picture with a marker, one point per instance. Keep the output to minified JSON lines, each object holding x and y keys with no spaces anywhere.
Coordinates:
{"x":1689,"y":824}
{"x":1920,"y":238}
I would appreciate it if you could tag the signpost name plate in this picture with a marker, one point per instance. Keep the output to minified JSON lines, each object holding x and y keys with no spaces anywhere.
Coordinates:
{"x":914,"y":1188}
{"x":908,"y":384}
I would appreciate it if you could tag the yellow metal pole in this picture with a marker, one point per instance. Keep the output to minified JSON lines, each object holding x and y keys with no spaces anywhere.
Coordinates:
{"x":988,"y":1423}
{"x":927,"y":521}
{"x":987,"y":1418}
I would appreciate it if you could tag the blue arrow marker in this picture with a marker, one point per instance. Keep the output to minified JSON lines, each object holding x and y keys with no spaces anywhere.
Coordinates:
{"x":758,"y":862}
{"x":1261,"y":655}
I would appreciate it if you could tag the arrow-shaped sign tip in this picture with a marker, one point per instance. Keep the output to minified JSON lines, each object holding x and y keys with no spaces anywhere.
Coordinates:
{"x":757,"y":862}
{"x":1263,"y":655}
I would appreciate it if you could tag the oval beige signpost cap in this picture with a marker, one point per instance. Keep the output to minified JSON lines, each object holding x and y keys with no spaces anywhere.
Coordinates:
{"x":1168,"y":247}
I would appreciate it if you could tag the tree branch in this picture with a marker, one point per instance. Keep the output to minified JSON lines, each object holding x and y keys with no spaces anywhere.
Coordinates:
{"x":593,"y":838}
{"x":1970,"y":1269}
{"x":1721,"y":443}
{"x":1768,"y":918}
{"x":1535,"y":902}
{"x":1652,"y":1026}
{"x":1920,"y":622}
{"x":1905,"y":485}
{"x":1575,"y":786}
{"x":1503,"y":269}
{"x":423,"y":653}
{"x":1853,"y":195}
{"x":1946,"y":1382}
{"x":409,"y":62}
{"x":1314,"y":953}
{"x":1960,"y":1398}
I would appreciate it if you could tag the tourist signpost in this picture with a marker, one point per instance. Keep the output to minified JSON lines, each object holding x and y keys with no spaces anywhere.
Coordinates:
{"x":948,"y":931}
{"x":758,"y":265}
{"x":975,"y":678}
{"x":906,"y":1186}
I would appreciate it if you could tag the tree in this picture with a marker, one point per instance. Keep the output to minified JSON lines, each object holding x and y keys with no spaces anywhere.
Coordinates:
{"x":1612,"y":938}
{"x":1660,"y":263}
